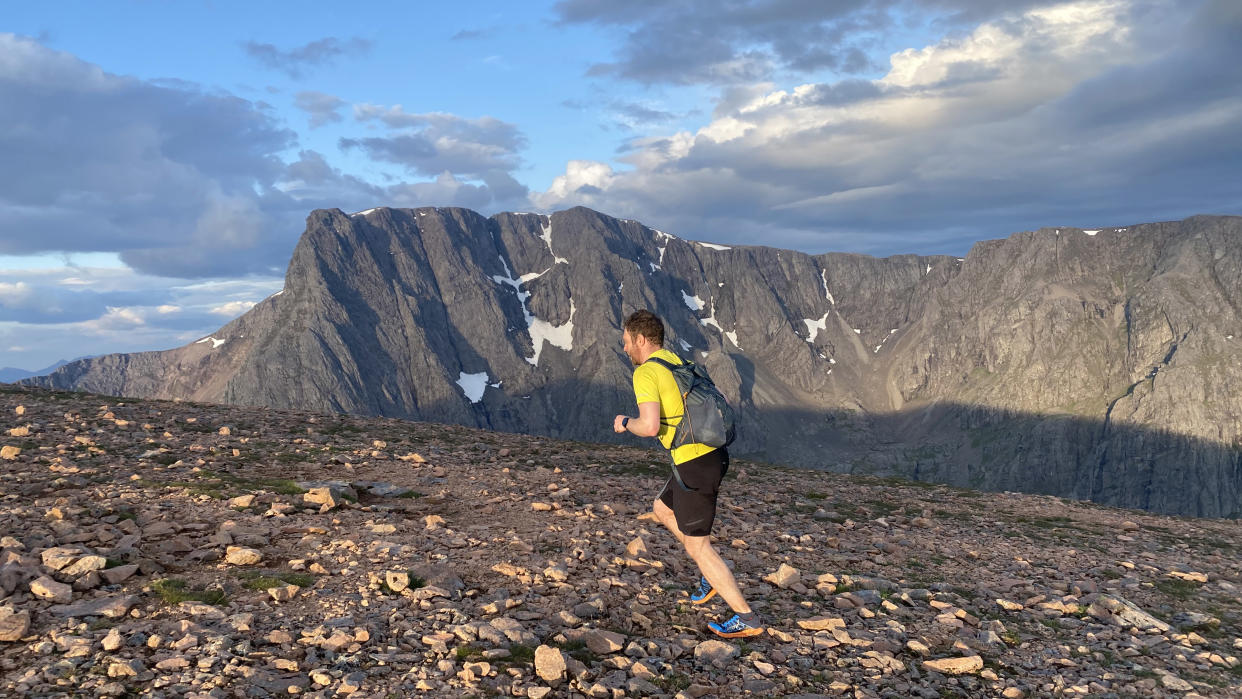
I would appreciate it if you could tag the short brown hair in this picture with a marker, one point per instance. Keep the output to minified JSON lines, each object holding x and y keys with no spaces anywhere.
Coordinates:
{"x":647,"y":324}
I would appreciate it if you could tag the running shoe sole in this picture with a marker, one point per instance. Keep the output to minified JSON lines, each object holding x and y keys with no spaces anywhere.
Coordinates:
{"x":743,"y":633}
{"x":706,"y":598}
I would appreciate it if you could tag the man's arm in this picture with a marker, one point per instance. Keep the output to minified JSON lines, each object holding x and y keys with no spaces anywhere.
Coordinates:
{"x":647,"y":424}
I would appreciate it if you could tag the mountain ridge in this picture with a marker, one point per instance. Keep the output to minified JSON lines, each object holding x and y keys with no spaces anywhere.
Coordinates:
{"x":1079,"y":346}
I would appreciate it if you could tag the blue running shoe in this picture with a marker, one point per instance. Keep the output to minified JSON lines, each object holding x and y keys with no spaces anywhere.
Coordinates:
{"x":737,"y":627}
{"x":704,"y":593}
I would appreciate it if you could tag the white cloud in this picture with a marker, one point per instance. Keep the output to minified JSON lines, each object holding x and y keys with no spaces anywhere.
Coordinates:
{"x":1016,"y":123}
{"x":117,"y":319}
{"x":233,"y":308}
{"x":14,"y":295}
{"x":579,"y":175}
{"x":117,"y":309}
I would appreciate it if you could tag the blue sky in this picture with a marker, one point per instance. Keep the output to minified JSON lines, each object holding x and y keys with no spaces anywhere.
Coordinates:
{"x":161,"y":158}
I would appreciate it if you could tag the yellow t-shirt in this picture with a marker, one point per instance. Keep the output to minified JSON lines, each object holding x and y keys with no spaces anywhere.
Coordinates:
{"x":653,"y":382}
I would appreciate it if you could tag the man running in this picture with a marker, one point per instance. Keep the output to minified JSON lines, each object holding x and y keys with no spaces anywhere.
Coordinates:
{"x":687,"y":504}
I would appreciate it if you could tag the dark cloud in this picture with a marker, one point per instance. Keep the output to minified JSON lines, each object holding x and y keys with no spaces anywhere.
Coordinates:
{"x":634,"y":115}
{"x":703,"y":41}
{"x":957,"y":13}
{"x":295,"y":62}
{"x":642,"y":114}
{"x":448,"y":148}
{"x":322,"y":108}
{"x":311,"y":182}
{"x":176,"y":179}
{"x":445,"y":190}
{"x":742,"y":41}
{"x":1107,"y":115}
{"x":485,"y":130}
{"x":428,"y":154}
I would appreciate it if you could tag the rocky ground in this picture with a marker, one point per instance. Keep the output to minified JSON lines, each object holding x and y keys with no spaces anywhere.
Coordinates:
{"x":173,"y":549}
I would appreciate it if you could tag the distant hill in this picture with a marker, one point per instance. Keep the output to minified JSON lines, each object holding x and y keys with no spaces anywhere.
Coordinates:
{"x":10,"y":374}
{"x":1092,"y":364}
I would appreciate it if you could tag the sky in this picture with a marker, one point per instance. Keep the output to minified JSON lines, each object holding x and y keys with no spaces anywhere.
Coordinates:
{"x":158,"y":160}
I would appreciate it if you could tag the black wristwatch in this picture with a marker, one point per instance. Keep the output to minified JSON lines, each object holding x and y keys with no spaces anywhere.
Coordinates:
{"x":625,"y":421}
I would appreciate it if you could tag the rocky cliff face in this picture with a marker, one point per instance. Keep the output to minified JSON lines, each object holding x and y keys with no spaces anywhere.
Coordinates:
{"x":1102,"y":365}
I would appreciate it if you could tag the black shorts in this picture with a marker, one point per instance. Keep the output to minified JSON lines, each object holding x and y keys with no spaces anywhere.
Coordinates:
{"x":694,"y":506}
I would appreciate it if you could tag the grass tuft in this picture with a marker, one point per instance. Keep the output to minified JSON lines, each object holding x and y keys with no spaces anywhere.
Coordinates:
{"x":520,"y":654}
{"x":1179,"y":589}
{"x":175,"y":591}
{"x":578,"y":651}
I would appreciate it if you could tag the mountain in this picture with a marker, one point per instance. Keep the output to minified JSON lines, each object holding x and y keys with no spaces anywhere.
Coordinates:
{"x":11,"y":374}
{"x":1102,"y":365}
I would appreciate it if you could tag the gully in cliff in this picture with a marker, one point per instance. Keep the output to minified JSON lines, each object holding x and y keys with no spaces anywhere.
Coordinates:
{"x":687,"y":503}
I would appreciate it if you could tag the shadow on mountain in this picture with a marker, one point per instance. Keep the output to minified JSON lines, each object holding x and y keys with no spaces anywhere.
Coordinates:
{"x":967,"y":446}
{"x":970,"y":446}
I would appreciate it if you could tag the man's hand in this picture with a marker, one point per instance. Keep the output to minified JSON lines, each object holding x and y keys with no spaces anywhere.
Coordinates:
{"x":616,"y":424}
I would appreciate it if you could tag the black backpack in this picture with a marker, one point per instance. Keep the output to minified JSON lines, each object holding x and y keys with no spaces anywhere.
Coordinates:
{"x":707,"y":417}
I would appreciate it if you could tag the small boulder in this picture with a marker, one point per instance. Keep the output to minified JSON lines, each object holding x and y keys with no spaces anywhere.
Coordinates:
{"x":111,"y":607}
{"x":48,"y":589}
{"x":955,"y":666}
{"x":550,"y":664}
{"x":1122,"y":612}
{"x":283,"y":593}
{"x":1176,"y":683}
{"x":125,"y":668}
{"x":119,"y":574}
{"x":822,"y":623}
{"x":113,"y":640}
{"x":397,"y":580}
{"x":603,"y":642}
{"x":717,"y":653}
{"x":241,"y":556}
{"x":84,"y":565}
{"x":242,"y":501}
{"x":785,"y":576}
{"x":61,"y":556}
{"x":637,"y":547}
{"x":351,"y":683}
{"x":13,"y":625}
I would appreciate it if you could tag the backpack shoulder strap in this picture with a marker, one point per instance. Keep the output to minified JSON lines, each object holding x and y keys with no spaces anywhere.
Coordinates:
{"x":672,"y":368}
{"x":662,"y":362}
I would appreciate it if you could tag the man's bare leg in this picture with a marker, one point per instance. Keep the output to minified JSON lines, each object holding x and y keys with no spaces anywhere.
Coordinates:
{"x":716,"y":571}
{"x":664,"y":513}
{"x":704,"y":555}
